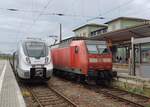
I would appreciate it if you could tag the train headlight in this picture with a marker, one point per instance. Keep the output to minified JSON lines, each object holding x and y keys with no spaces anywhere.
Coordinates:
{"x":93,"y":60}
{"x":47,"y":60}
{"x":28,"y":60}
{"x":107,"y":60}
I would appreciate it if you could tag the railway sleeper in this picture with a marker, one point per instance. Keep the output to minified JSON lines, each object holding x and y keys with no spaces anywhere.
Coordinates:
{"x":47,"y":97}
{"x":133,"y":97}
{"x":50,"y":99}
{"x":54,"y":103}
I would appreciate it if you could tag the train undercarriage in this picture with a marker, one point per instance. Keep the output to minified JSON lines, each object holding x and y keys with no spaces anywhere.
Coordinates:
{"x":101,"y":78}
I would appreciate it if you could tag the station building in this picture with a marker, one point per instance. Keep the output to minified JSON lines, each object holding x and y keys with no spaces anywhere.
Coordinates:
{"x":124,"y":22}
{"x":85,"y":30}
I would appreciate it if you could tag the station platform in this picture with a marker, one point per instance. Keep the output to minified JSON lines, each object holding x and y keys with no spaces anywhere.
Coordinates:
{"x":121,"y":68}
{"x":10,"y":94}
{"x":135,"y":84}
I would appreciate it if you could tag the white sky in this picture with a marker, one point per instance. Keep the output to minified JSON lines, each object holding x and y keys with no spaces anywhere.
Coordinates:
{"x":26,"y":22}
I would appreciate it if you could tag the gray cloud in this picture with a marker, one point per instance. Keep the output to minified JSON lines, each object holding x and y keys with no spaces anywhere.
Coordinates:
{"x":15,"y":26}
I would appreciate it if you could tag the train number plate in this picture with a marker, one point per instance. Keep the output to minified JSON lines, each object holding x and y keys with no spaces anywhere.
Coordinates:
{"x":39,"y":72}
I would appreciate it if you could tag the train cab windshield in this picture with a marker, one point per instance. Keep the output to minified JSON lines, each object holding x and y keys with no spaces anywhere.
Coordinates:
{"x":35,"y":49}
{"x":97,"y":49}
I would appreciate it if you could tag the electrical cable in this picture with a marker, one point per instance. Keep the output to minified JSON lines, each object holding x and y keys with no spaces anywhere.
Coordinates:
{"x":120,"y":6}
{"x":34,"y":21}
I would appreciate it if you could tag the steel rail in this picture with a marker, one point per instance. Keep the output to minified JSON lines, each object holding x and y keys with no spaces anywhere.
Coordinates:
{"x":34,"y":94}
{"x":109,"y":93}
{"x":116,"y":94}
{"x":35,"y":97}
{"x":134,"y":94}
{"x":67,"y":99}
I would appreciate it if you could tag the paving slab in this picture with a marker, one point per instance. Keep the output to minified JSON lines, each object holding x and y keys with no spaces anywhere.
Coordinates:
{"x":10,"y":94}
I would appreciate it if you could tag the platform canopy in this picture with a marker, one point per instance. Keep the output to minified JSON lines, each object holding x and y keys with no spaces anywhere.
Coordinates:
{"x":139,"y":31}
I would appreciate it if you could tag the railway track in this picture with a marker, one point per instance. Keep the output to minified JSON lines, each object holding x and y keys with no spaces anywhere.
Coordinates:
{"x":134,"y":100}
{"x":46,"y":96}
{"x":129,"y":98}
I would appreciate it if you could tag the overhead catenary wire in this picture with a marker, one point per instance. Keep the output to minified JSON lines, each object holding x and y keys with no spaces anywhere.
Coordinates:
{"x":135,"y":13}
{"x":52,"y":13}
{"x":67,"y":15}
{"x":120,"y":6}
{"x":61,"y":14}
{"x":45,"y":7}
{"x":139,"y":11}
{"x":74,"y":13}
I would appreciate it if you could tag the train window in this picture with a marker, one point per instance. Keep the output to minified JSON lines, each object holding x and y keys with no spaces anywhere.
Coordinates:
{"x":35,"y":49}
{"x":103,"y":49}
{"x":92,"y":49}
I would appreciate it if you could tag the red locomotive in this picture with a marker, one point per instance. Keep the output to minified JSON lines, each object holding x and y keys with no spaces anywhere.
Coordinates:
{"x":83,"y":58}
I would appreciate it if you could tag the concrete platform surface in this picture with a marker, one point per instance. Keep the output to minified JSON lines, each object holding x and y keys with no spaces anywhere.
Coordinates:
{"x":10,"y":94}
{"x":135,"y":84}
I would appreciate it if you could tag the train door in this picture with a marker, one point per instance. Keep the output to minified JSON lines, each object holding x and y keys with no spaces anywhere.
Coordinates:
{"x":74,"y":56}
{"x":76,"y":60}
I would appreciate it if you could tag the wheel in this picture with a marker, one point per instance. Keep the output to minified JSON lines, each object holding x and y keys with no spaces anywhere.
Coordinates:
{"x":81,"y":78}
{"x":107,"y":83}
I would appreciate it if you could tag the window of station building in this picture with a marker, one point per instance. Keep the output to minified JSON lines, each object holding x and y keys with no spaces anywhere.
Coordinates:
{"x":98,"y":32}
{"x":125,"y":26}
{"x":80,"y":35}
{"x":145,"y":53}
{"x":84,"y":34}
{"x":92,"y":33}
{"x":104,"y":30}
{"x":113,"y":26}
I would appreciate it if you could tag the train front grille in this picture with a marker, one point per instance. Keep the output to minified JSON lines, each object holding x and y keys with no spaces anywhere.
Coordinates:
{"x":38,"y":72}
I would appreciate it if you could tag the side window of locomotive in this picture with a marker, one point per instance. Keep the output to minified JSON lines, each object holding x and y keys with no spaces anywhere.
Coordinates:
{"x":103,"y":49}
{"x":76,"y":49}
{"x":92,"y":49}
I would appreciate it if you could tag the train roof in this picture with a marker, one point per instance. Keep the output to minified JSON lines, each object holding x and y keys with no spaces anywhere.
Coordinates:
{"x":68,"y":40}
{"x":32,"y":40}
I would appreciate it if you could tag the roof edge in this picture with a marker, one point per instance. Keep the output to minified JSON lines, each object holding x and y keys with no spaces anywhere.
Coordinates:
{"x":91,"y":24}
{"x":128,"y":18}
